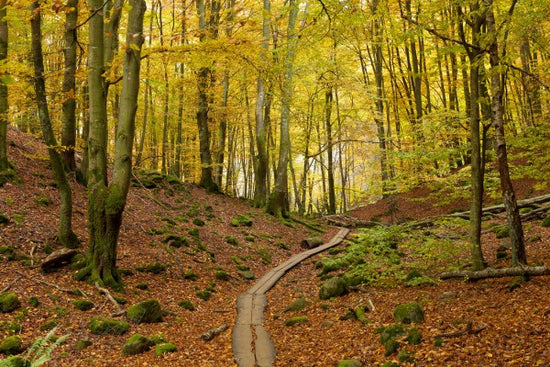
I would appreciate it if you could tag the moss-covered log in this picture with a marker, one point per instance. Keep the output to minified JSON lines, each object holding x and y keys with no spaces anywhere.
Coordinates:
{"x":497,"y":273}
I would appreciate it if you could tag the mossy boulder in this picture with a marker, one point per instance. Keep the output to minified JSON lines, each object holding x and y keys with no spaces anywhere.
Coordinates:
{"x":241,"y":220}
{"x":297,"y":305}
{"x":414,"y":337}
{"x":137,"y":344}
{"x":82,"y":344}
{"x":408,"y":313}
{"x":165,"y":348}
{"x":334,"y":287}
{"x":349,"y":363}
{"x":145,"y":312}
{"x":296,"y":320}
{"x":247,"y":274}
{"x":388,"y":337}
{"x":9,"y":302}
{"x":11,"y":345}
{"x":15,"y":361}
{"x":103,"y":325}
{"x":501,"y":231}
{"x":83,"y":304}
{"x":175,"y":240}
{"x":546,"y":222}
{"x":186,"y":305}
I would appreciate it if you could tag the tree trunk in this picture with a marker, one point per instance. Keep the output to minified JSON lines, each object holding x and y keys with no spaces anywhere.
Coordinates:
{"x":330,"y":163}
{"x":65,"y":234}
{"x":278,"y":201}
{"x":4,"y":106}
{"x":106,"y":203}
{"x":68,"y":139}
{"x":497,"y":108}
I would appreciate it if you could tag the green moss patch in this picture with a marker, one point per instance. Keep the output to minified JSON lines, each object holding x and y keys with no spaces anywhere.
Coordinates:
{"x":408,"y":313}
{"x":103,"y":325}
{"x":9,"y":302}
{"x":296,"y":320}
{"x":83,"y":304}
{"x":137,"y":344}
{"x":145,"y":312}
{"x":165,"y":348}
{"x":155,"y":268}
{"x":11,"y":345}
{"x":241,"y":221}
{"x":186,"y":305}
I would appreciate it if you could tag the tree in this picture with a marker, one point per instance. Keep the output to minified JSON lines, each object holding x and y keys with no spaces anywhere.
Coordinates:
{"x":68,"y":139}
{"x":278,"y":201}
{"x":106,"y":201}
{"x":65,"y":234}
{"x":497,"y":116}
{"x":4,"y":164}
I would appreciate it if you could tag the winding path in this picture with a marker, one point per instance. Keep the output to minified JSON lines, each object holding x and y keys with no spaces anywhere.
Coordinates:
{"x":251,"y":343}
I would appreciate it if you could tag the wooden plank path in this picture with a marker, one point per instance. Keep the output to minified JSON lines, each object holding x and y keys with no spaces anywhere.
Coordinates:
{"x":251,"y":343}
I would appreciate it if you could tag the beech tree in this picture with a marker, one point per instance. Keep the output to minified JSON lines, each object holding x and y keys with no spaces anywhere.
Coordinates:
{"x":106,"y":201}
{"x":65,"y":234}
{"x":4,"y":104}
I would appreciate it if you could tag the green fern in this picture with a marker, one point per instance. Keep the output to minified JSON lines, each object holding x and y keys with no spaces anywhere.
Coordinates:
{"x":42,"y":348}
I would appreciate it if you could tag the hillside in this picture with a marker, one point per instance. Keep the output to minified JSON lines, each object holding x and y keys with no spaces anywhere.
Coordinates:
{"x":507,"y":325}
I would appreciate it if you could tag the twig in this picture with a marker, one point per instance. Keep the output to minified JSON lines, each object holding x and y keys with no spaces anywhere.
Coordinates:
{"x":110,"y":297}
{"x":371,"y":305}
{"x":178,"y":263}
{"x":212,"y":333}
{"x":222,"y":311}
{"x":43,"y":282}
{"x":32,"y":255}
{"x":6,"y":288}
{"x":468,"y":330}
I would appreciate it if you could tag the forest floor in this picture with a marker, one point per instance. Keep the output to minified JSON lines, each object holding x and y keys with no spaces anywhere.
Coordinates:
{"x":516,"y":323}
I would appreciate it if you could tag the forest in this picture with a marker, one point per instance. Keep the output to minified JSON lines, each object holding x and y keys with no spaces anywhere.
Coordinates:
{"x":138,"y":122}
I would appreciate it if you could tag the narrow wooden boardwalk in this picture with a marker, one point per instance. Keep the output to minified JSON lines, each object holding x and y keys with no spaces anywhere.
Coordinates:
{"x":251,"y":343}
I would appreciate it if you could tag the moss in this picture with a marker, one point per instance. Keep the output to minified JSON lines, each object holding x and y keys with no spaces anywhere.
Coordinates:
{"x":391,"y":346}
{"x":7,"y":176}
{"x":11,"y":345}
{"x":83,"y":304}
{"x":194,"y":232}
{"x":9,"y":302}
{"x":242,"y":267}
{"x":125,"y":271}
{"x":360,"y":314}
{"x":349,"y":363}
{"x":42,"y":200}
{"x":408,"y":313}
{"x":221,"y":275}
{"x":115,"y":201}
{"x":186,"y":305}
{"x":283,"y":246}
{"x":204,"y":295}
{"x":49,"y":325}
{"x":501,"y":231}
{"x":4,"y":219}
{"x":190,"y":275}
{"x":546,"y":221}
{"x":137,"y":344}
{"x":296,"y":320}
{"x":241,"y":220}
{"x":165,"y":348}
{"x":15,"y":361}
{"x":175,"y":240}
{"x":334,"y":287}
{"x":247,"y":274}
{"x":145,"y":312}
{"x":414,"y":337}
{"x":297,"y":305}
{"x":232,"y":240}
{"x":34,"y":302}
{"x":265,"y":255}
{"x":120,"y":300}
{"x":78,"y":262}
{"x":405,"y":357}
{"x":82,"y":344}
{"x":249,"y":238}
{"x":143,"y":286}
{"x":6,"y":250}
{"x":439,"y":342}
{"x":103,"y":325}
{"x":198,"y":222}
{"x":516,"y":283}
{"x":155,"y":268}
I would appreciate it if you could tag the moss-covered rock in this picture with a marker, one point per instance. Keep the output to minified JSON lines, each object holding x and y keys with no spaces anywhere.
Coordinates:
{"x":414,"y":337}
{"x":222,"y":275}
{"x":83,"y":304}
{"x":241,"y":220}
{"x":361,"y":314}
{"x":186,"y":305}
{"x":175,"y":240}
{"x":334,"y":287}
{"x":4,"y":219}
{"x":9,"y":302}
{"x":11,"y":345}
{"x":145,"y":312}
{"x":155,"y":268}
{"x":232,"y":240}
{"x":48,"y":325}
{"x":103,"y":325}
{"x":137,"y":344}
{"x":15,"y":361}
{"x":501,"y":231}
{"x":408,"y":313}
{"x":82,"y":344}
{"x":165,"y":348}
{"x":34,"y":302}
{"x":296,"y":320}
{"x":546,"y":222}
{"x":297,"y":305}
{"x":247,"y":274}
{"x":349,"y":363}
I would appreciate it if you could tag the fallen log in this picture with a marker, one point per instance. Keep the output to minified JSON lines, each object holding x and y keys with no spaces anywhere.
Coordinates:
{"x":468,"y":330}
{"x":346,"y":221}
{"x":311,"y":242}
{"x":495,"y":209}
{"x":497,"y":273}
{"x":212,"y":333}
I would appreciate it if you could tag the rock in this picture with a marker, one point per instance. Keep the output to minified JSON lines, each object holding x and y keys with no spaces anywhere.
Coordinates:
{"x":414,"y":337}
{"x":57,"y":259}
{"x":82,"y":344}
{"x":9,"y":302}
{"x":334,"y":287}
{"x":137,"y":344}
{"x":297,"y":305}
{"x":296,"y":320}
{"x":408,"y":313}
{"x":247,"y":274}
{"x":145,"y":312}
{"x":165,"y":348}
{"x":103,"y":325}
{"x":311,"y":242}
{"x":11,"y":345}
{"x":83,"y":304}
{"x":349,"y":363}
